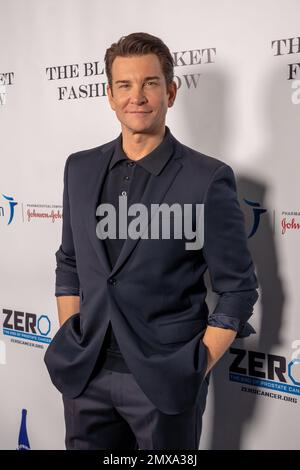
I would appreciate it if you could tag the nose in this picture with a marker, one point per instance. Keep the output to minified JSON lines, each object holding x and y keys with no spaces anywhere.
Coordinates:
{"x":137,"y":96}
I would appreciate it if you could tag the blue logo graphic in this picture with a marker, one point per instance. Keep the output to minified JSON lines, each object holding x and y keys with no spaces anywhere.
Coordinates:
{"x":44,"y":325}
{"x":257,"y":212}
{"x":23,"y":441}
{"x":292,"y":366}
{"x":12,"y":204}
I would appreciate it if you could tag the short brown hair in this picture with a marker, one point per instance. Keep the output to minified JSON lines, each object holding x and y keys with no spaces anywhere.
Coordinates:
{"x":140,"y":44}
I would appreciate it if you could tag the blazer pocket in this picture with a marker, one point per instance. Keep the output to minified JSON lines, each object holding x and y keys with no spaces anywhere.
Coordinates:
{"x":73,"y":321}
{"x":180,"y":331}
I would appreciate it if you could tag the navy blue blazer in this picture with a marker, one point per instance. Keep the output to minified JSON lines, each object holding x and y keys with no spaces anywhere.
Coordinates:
{"x":155,"y":294}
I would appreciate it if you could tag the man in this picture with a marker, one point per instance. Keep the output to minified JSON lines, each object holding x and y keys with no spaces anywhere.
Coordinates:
{"x":136,"y":345}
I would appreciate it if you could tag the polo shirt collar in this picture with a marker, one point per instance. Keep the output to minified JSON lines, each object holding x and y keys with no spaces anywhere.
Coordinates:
{"x":154,"y":161}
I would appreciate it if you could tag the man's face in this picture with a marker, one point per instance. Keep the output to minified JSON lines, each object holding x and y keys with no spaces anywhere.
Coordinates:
{"x":139,"y":95}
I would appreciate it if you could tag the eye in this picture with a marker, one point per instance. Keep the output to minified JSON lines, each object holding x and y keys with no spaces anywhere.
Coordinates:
{"x":123,"y":85}
{"x":151,"y":83}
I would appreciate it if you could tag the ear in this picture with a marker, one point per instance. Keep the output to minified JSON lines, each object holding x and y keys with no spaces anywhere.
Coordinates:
{"x":110,"y":97}
{"x":172,"y":91}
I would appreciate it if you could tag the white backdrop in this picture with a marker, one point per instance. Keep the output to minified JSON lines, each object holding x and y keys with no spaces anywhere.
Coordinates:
{"x":236,"y":102}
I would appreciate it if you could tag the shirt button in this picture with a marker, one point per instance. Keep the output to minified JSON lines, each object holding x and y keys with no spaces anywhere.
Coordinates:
{"x":112,"y":281}
{"x":130,"y":164}
{"x":126,"y":178}
{"x":124,"y":193}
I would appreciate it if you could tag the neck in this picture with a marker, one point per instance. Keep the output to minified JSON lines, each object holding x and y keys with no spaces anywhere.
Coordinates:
{"x":136,"y":145}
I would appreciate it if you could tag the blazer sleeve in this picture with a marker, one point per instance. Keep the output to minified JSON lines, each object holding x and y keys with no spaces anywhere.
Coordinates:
{"x":66,"y":277}
{"x":226,"y":253}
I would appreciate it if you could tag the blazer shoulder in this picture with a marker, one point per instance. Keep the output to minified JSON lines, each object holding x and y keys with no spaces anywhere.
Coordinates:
{"x":91,"y":152}
{"x":202,"y":163}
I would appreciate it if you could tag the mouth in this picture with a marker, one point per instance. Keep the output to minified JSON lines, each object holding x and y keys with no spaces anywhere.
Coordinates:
{"x":140,"y":112}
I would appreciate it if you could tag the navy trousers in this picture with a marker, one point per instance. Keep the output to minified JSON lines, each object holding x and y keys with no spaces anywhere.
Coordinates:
{"x":114,"y":413}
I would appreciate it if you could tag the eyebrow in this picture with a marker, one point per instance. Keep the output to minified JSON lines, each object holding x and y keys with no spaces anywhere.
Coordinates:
{"x":146,"y":78}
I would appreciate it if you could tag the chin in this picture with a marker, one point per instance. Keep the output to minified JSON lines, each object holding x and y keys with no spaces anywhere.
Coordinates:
{"x":138,"y":127}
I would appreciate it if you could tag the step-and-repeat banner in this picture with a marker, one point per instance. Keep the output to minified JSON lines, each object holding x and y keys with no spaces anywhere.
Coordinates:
{"x":238,"y":76}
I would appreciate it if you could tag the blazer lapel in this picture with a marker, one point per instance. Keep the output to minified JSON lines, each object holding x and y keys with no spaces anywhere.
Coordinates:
{"x":97,"y":171}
